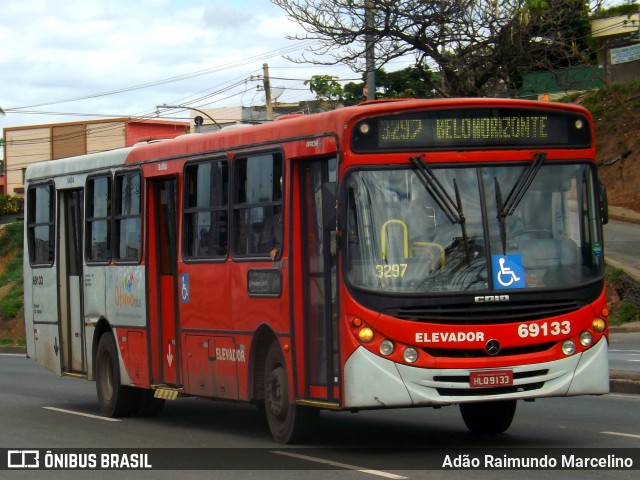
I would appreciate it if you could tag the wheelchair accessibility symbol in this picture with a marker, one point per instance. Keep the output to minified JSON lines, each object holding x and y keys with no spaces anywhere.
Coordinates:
{"x":508,"y":272}
{"x":184,"y":288}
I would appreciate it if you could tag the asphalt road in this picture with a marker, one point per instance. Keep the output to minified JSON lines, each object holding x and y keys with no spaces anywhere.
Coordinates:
{"x":622,"y":246}
{"x":624,"y":352}
{"x":42,"y":411}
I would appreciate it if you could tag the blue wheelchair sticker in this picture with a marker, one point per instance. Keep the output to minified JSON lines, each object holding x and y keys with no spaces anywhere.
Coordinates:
{"x":508,"y":272}
{"x":184,"y":288}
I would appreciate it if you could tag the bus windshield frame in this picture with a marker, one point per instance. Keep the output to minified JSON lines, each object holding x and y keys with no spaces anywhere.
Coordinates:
{"x":402,"y":241}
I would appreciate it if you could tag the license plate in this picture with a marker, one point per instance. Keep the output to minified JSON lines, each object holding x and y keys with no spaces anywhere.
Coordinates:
{"x":491,"y":378}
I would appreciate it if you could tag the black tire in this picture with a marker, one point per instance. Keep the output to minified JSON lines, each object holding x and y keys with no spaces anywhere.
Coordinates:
{"x":115,"y":400}
{"x":488,"y":417}
{"x":288,"y":422}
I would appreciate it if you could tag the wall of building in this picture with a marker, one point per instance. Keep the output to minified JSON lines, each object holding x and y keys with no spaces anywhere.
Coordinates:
{"x":21,"y":148}
{"x":145,"y":131}
{"x":105,"y":136}
{"x":31,"y":144}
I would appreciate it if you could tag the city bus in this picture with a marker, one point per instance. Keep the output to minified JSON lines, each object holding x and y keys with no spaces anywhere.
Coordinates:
{"x":393,"y":254}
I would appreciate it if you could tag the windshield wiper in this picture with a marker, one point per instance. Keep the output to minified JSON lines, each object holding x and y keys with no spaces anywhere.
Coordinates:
{"x":452,"y":209}
{"x":515,"y":195}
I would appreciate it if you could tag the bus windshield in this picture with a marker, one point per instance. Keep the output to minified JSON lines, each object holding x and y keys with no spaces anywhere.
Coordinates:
{"x":466,"y":232}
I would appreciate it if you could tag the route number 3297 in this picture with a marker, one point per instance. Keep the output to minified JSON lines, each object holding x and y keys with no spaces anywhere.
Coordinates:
{"x":545,"y":329}
{"x":394,"y":270}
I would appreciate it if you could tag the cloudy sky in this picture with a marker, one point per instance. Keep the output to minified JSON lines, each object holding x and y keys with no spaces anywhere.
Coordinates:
{"x":66,"y":60}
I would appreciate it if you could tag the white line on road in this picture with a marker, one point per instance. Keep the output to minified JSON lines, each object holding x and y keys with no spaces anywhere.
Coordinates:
{"x":97,"y":417}
{"x":620,"y":434}
{"x":341,"y":465}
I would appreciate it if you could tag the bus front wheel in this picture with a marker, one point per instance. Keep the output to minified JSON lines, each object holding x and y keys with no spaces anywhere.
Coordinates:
{"x":488,"y":417}
{"x":114,"y":399}
{"x":287,"y":421}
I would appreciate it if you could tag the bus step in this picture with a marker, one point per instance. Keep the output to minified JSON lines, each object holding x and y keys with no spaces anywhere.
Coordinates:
{"x":167,"y":393}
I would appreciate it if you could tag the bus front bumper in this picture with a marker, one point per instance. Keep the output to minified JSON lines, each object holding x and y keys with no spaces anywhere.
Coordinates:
{"x":371,"y":381}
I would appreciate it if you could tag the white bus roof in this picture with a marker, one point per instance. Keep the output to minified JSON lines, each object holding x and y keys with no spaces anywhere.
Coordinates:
{"x":81,"y":163}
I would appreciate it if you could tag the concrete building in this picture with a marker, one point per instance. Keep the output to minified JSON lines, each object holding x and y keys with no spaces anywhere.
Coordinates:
{"x":226,"y":116}
{"x":618,"y":40}
{"x":36,"y":143}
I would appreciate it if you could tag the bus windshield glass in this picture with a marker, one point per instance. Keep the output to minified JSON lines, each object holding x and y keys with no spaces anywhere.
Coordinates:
{"x":406,"y":237}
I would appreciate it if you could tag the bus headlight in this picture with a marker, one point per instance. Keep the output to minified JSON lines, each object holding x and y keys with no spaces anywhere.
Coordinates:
{"x":568,"y":347}
{"x":365,"y":335}
{"x":586,"y":339}
{"x":410,"y":355}
{"x":387,"y":347}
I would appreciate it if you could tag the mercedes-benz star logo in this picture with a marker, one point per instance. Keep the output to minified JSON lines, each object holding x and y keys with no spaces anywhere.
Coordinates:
{"x":492,"y":347}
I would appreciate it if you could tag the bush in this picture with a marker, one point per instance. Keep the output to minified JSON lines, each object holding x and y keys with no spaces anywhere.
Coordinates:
{"x":11,"y":238}
{"x":10,"y":205}
{"x":11,"y":303}
{"x":626,"y":312}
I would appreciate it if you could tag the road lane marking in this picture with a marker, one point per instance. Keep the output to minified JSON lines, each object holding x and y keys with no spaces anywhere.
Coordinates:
{"x":88,"y":415}
{"x":340,"y":465}
{"x":620,"y":434}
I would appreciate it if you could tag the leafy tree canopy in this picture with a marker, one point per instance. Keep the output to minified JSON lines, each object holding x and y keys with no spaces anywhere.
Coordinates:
{"x":460,"y":47}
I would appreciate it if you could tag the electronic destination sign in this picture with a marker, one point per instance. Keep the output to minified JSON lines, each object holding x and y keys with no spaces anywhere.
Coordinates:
{"x":473,"y":128}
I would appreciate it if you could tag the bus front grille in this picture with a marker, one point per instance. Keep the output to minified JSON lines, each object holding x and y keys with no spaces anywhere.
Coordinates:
{"x":483,"y":313}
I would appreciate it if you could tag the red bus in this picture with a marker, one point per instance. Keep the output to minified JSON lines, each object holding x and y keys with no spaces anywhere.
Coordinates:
{"x":387,"y":255}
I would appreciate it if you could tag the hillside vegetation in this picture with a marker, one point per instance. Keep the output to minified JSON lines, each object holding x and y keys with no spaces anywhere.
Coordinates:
{"x":616,"y":112}
{"x":11,"y":286}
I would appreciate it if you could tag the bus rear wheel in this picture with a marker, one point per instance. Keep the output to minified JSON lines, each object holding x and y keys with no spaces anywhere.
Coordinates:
{"x":488,"y":417}
{"x":114,"y":399}
{"x":288,"y":422}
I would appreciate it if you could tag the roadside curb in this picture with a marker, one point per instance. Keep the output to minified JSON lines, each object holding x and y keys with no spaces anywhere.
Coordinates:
{"x":13,"y":349}
{"x":624,"y":382}
{"x":626,"y":328}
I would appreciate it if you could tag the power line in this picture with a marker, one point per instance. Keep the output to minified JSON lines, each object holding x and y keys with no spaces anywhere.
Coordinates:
{"x":188,"y":76}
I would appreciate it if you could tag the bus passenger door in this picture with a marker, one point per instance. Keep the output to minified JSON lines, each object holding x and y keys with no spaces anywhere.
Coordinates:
{"x":319,"y":287}
{"x":72,"y":351}
{"x":162,"y":278}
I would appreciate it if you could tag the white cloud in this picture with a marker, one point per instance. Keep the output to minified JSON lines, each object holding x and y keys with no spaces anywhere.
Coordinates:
{"x":58,"y":50}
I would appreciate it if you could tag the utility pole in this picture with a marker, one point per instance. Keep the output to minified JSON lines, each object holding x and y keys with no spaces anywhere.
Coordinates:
{"x":369,"y":13}
{"x":267,"y":91}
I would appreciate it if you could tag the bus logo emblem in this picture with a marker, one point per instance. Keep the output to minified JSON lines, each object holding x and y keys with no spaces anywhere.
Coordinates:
{"x":492,"y":347}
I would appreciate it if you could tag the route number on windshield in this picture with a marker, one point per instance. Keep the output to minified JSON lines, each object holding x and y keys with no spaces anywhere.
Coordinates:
{"x":393,"y":270}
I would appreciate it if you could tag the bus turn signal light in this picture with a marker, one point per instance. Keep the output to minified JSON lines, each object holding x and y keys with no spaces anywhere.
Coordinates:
{"x":599,"y":325}
{"x":365,"y":335}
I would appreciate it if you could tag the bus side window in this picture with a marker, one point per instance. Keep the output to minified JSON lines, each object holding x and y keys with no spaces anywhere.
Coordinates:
{"x":40,"y":225}
{"x":98,"y":218}
{"x":128,"y":217}
{"x":205,"y":209}
{"x":257,"y":208}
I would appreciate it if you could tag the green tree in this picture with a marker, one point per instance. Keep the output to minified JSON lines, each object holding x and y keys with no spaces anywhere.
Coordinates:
{"x":327,"y":89}
{"x":406,"y":83}
{"x":461,"y":47}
